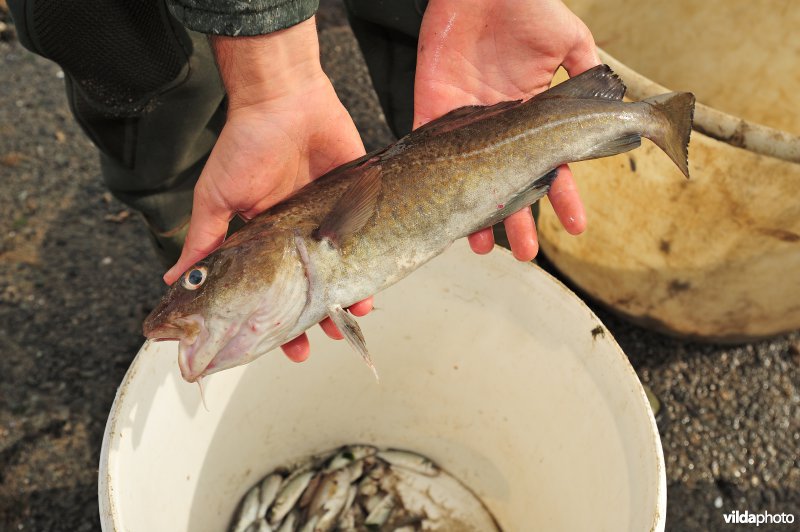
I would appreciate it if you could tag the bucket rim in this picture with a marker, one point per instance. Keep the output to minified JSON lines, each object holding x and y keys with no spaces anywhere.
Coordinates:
{"x":719,"y":125}
{"x":109,"y":511}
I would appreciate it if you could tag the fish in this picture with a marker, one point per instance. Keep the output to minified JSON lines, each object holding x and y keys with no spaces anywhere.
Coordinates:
{"x":268,"y":492}
{"x":407,"y":491}
{"x":288,"y":524}
{"x":330,"y":499}
{"x":380,"y":513}
{"x":349,"y":455}
{"x":367,"y":224}
{"x":248,"y":511}
{"x":410,"y":461}
{"x":259,"y":525}
{"x":290,"y":492}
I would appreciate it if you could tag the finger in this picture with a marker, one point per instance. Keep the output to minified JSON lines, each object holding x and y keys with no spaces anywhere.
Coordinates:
{"x":566,"y":202}
{"x":482,"y":242}
{"x":521,"y":234}
{"x":583,"y":54}
{"x":362,"y":308}
{"x":331,"y":329}
{"x":207,"y":229}
{"x":297,"y":350}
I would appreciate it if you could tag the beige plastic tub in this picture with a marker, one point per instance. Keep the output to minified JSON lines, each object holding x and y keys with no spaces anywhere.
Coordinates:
{"x":717,"y":256}
{"x":488,"y":366}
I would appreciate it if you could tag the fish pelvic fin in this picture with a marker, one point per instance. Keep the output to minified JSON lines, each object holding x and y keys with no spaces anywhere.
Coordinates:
{"x":199,"y":382}
{"x":352,"y":333}
{"x":676,"y":110}
{"x":354,"y":209}
{"x":597,"y":82}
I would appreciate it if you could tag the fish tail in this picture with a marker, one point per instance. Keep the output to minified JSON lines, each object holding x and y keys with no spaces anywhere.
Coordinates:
{"x":676,"y":110}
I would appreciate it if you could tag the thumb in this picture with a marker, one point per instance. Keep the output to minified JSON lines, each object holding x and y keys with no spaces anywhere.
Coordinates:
{"x":583,"y":54}
{"x":207,"y":229}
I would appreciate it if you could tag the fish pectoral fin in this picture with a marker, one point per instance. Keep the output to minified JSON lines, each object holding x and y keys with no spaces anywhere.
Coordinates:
{"x":528,"y":196}
{"x":615,"y":146}
{"x":352,"y":333}
{"x":352,"y":211}
{"x":598,"y":82}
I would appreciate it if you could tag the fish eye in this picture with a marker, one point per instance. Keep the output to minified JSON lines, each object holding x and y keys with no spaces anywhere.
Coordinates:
{"x":194,"y":278}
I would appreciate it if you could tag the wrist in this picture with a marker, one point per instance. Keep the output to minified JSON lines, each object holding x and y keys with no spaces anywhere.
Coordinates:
{"x":267,"y":67}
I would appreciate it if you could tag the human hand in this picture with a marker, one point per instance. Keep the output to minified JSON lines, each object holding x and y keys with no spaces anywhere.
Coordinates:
{"x":486,"y":51}
{"x":285,"y":127}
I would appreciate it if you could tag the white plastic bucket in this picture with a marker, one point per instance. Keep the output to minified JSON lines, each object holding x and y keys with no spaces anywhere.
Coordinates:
{"x":488,"y":366}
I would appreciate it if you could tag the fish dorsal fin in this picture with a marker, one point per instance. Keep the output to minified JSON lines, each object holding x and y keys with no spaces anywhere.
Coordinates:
{"x":462,"y":116}
{"x":597,"y":82}
{"x":354,"y":208}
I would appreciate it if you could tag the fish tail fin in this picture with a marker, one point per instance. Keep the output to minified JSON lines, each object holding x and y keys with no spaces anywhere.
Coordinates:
{"x":676,"y":109}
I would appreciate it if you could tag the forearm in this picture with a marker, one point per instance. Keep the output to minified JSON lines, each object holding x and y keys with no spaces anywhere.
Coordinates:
{"x":237,"y":18}
{"x":268,"y":67}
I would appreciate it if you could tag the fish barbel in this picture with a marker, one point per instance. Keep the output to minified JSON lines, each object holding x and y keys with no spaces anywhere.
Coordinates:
{"x":367,"y":224}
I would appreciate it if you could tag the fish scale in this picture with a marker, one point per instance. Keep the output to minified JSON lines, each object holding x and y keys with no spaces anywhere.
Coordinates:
{"x":366,"y":225}
{"x":407,"y":215}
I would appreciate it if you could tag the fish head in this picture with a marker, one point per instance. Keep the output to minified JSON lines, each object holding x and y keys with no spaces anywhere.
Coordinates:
{"x":237,"y":304}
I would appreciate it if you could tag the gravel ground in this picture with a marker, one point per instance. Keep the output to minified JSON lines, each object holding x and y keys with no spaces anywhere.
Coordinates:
{"x":77,"y":276}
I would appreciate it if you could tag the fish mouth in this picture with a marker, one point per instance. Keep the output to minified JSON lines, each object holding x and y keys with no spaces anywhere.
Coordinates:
{"x":191,"y":333}
{"x":190,"y":347}
{"x":203,"y":347}
{"x":174,"y":328}
{"x":164,"y":333}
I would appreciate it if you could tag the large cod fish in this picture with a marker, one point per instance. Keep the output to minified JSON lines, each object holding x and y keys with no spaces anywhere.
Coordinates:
{"x":367,"y":224}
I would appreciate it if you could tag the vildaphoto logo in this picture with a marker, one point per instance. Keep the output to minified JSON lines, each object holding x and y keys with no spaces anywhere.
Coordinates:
{"x":748,"y":518}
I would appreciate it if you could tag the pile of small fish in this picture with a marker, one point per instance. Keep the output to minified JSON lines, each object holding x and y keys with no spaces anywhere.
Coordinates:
{"x":360,"y":487}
